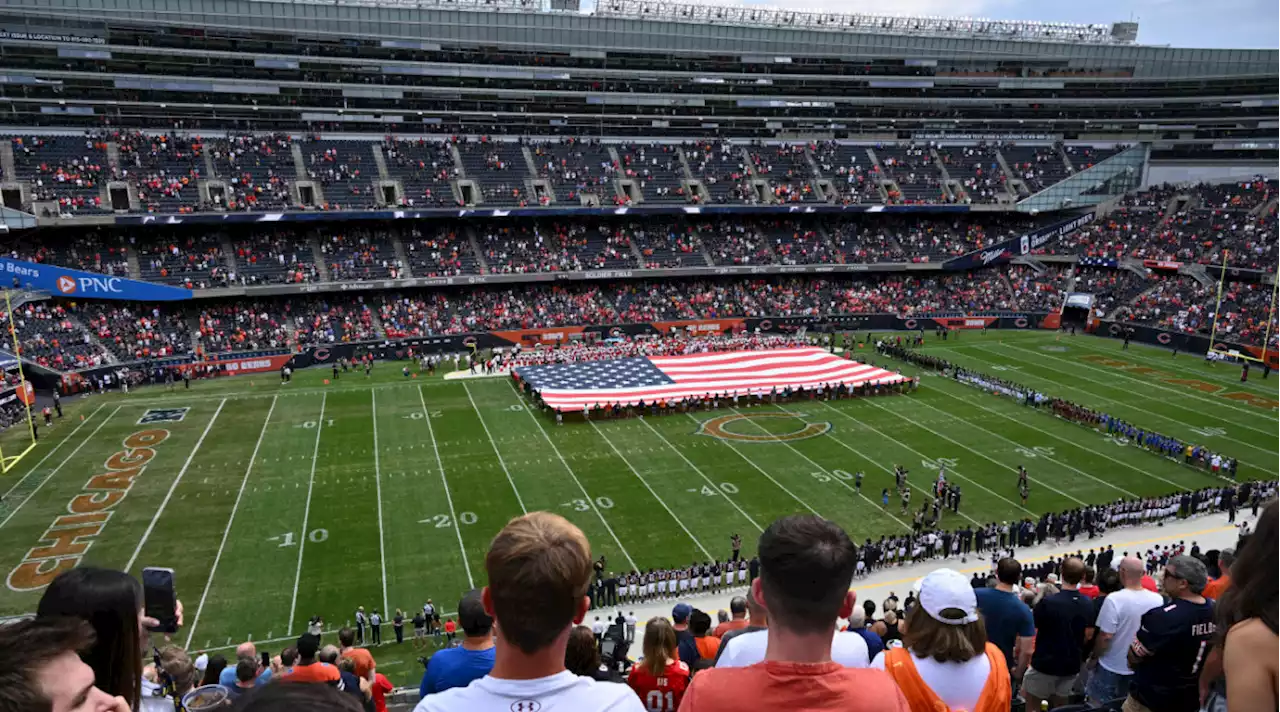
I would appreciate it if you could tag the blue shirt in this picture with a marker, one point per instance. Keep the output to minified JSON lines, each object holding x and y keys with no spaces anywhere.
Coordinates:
{"x":1007,"y":617}
{"x":874,"y":644}
{"x":227,"y":678}
{"x":455,"y":667}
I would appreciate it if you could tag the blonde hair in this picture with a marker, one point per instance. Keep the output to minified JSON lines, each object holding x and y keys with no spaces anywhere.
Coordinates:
{"x":659,"y":645}
{"x":177,"y":665}
{"x":926,"y":637}
{"x":539,"y":567}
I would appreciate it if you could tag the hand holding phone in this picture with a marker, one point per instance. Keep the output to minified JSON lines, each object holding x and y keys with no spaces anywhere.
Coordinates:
{"x":160,"y":602}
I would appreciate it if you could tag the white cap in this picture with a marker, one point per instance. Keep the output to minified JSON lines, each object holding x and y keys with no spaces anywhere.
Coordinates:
{"x":948,"y":588}
{"x":1051,"y":578}
{"x":202,"y":662}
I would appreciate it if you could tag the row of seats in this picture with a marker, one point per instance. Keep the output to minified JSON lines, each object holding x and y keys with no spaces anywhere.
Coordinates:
{"x":259,"y":171}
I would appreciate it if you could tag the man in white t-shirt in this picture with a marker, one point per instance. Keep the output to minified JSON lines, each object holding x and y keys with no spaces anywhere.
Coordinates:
{"x":848,"y":649}
{"x":1118,"y":623}
{"x":539,"y":567}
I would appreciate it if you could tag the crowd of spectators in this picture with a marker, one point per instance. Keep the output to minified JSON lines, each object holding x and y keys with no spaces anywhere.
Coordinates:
{"x":136,"y":332}
{"x":242,"y":326}
{"x":257,"y":170}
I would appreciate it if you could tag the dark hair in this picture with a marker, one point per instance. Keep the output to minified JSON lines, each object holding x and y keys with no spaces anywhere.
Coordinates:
{"x":288,"y":656}
{"x":246,"y":669}
{"x":1253,"y":592}
{"x":308,"y":645}
{"x":290,"y":698}
{"x":699,"y":622}
{"x":1009,"y":572}
{"x":109,"y":600}
{"x":738,"y":606}
{"x":347,"y":636}
{"x":471,"y":616}
{"x":582,"y":655}
{"x":806,"y":566}
{"x":213,"y":670}
{"x":1109,"y":581}
{"x":29,"y":645}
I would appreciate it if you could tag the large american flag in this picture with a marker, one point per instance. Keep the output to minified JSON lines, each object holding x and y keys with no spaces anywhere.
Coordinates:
{"x":576,"y":386}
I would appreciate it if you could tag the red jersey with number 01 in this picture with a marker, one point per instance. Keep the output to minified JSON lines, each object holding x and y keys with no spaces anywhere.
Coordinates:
{"x":662,"y":693}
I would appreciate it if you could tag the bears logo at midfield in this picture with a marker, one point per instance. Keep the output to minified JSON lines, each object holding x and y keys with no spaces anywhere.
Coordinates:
{"x":718,"y":428}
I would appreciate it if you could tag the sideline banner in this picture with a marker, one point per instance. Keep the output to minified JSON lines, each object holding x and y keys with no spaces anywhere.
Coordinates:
{"x":74,"y":283}
{"x":1018,"y":246}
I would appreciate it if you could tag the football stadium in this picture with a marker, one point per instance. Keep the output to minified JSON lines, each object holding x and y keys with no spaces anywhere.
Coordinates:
{"x":480,"y":354}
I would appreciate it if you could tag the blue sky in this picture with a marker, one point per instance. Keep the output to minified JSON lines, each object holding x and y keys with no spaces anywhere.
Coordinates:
{"x":1239,"y":24}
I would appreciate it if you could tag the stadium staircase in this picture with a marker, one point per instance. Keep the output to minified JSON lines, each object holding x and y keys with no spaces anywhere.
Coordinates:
{"x":402,"y":257}
{"x":952,"y":188}
{"x":1036,"y":265}
{"x":883,"y":184}
{"x":376,"y":322}
{"x":1016,"y":185}
{"x":475,"y":250}
{"x":229,"y":251}
{"x":6,"y":159}
{"x":637,"y":254}
{"x":209,"y":172}
{"x":693,"y":186}
{"x":1199,"y":273}
{"x":1263,"y":208}
{"x":108,"y":356}
{"x":380,"y":161}
{"x":822,"y":184}
{"x":322,"y":266}
{"x":135,"y":269}
{"x":1066,"y":161}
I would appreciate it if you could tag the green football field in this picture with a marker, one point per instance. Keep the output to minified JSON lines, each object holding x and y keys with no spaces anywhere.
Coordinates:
{"x":276,"y":503}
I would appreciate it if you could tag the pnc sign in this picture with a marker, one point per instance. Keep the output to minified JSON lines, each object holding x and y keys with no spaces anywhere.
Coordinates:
{"x":66,"y":285}
{"x":719,"y":428}
{"x":60,"y":281}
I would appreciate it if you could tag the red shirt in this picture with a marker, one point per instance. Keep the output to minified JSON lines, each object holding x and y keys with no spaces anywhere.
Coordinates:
{"x":663,"y":693}
{"x":727,"y":626}
{"x":381,"y":686}
{"x":794,"y":687}
{"x":450,"y":627}
{"x":1089,"y":591}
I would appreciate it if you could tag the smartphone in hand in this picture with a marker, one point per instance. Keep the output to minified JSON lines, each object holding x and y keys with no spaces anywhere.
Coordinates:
{"x":159,"y":599}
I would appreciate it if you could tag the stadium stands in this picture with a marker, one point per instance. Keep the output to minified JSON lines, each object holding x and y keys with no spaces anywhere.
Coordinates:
{"x":258,"y":171}
{"x":424,"y":168}
{"x":912,"y":168}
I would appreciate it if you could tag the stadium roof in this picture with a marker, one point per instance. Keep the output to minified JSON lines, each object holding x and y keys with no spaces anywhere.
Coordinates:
{"x":739,"y":15}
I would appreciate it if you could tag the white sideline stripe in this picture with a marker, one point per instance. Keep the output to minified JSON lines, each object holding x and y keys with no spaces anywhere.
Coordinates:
{"x":846,"y":485}
{"x":576,"y":481}
{"x":60,"y":465}
{"x":636,"y":472}
{"x":703,"y":475}
{"x":494,"y":445}
{"x":208,"y":584}
{"x":169,"y":495}
{"x":859,"y":453}
{"x":55,"y":449}
{"x":377,"y":480}
{"x":306,"y":514}
{"x":954,"y":470}
{"x":457,"y":526}
{"x":751,"y":462}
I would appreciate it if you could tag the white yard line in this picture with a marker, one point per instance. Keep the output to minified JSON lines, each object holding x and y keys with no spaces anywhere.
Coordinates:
{"x":828,"y":473}
{"x":60,"y":465}
{"x":377,"y":480}
{"x":57,"y":447}
{"x":494,"y":445}
{"x":887,"y":471}
{"x":208,"y":584}
{"x":453,"y":514}
{"x":919,"y":424}
{"x":751,"y":462}
{"x":586,"y":495}
{"x":636,"y":472}
{"x":169,"y":495}
{"x":306,"y":514}
{"x":703,"y":475}
{"x":923,"y":456}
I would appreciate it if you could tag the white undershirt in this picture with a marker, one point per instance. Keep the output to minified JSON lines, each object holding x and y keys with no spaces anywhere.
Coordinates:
{"x":958,"y":685}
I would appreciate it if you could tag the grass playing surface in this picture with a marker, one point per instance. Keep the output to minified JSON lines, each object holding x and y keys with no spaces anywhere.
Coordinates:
{"x":276,"y":503}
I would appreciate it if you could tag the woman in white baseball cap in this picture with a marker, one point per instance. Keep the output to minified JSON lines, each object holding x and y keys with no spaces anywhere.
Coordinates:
{"x":946,"y":661}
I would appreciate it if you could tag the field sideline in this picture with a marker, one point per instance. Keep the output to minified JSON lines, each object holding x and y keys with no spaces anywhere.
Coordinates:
{"x":276,"y":503}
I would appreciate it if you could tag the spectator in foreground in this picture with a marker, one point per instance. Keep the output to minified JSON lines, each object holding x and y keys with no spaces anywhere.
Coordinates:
{"x":738,"y":617}
{"x":1118,"y":622}
{"x":246,"y":671}
{"x":1064,"y":621}
{"x":660,"y":678}
{"x":1246,"y":623}
{"x":472,"y":660}
{"x":1008,"y":620}
{"x":806,"y":567}
{"x":111,"y":601}
{"x":365,"y":666}
{"x":1169,"y":648}
{"x":700,"y":626}
{"x":244,"y":650}
{"x":685,"y":643}
{"x":1218,"y":586}
{"x":858,"y":625}
{"x":582,"y":654}
{"x":308,"y":668}
{"x":290,"y":698}
{"x":945,"y":661}
{"x":759,"y":621}
{"x":41,"y":668}
{"x":539,"y":567}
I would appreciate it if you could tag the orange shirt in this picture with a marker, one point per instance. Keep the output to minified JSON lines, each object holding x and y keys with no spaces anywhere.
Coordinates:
{"x":707,"y":646}
{"x":315,"y":672}
{"x":727,"y":626}
{"x":996,"y":694}
{"x":1217,"y":587}
{"x":363,"y":660}
{"x":795,"y":687}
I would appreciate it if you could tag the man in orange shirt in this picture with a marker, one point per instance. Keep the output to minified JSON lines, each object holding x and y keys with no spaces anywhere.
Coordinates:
{"x":806,"y":567}
{"x":738,"y":609}
{"x":365,"y":666}
{"x":307,"y":668}
{"x":700,"y":626}
{"x":1218,"y":586}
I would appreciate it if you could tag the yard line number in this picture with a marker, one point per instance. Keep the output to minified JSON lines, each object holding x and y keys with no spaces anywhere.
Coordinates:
{"x":417,"y":414}
{"x":316,"y":536}
{"x":838,"y":474}
{"x":725,"y":487}
{"x":940,"y":463}
{"x":311,"y":424}
{"x":582,"y":505}
{"x":1034,"y":452}
{"x":444,"y":521}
